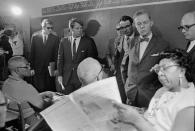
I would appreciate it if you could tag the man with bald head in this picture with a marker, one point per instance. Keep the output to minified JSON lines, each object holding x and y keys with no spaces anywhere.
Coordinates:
{"x":16,"y":89}
{"x":187,"y":27}
{"x":89,"y":71}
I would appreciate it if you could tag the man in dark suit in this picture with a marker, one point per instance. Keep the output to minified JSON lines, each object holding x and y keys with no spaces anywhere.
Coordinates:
{"x":44,"y":48}
{"x":141,"y":84}
{"x":188,"y":29}
{"x":72,"y":51}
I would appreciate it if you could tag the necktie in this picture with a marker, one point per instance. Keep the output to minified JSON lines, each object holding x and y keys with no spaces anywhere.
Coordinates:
{"x":74,"y":48}
{"x":44,"y":39}
{"x":144,"y":39}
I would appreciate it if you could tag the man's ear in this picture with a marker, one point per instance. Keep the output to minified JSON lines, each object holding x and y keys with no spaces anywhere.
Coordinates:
{"x":151,"y":23}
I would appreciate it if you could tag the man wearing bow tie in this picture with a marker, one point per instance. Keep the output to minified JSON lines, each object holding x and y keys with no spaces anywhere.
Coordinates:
{"x":72,"y":51}
{"x":188,"y":29}
{"x":141,"y":84}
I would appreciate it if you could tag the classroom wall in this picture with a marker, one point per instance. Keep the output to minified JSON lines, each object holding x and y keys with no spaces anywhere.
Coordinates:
{"x":101,"y":24}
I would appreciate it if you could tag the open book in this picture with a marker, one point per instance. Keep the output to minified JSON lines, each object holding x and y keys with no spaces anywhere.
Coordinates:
{"x":87,"y":109}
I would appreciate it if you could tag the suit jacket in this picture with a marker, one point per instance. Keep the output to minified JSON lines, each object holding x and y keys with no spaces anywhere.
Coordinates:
{"x":42,"y":54}
{"x":68,"y":65}
{"x":141,"y":84}
{"x":191,"y":54}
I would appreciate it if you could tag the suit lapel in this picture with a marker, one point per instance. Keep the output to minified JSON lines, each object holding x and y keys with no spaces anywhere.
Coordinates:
{"x":69,"y":46}
{"x":148,"y":48}
{"x":188,"y":44}
{"x":191,"y":51}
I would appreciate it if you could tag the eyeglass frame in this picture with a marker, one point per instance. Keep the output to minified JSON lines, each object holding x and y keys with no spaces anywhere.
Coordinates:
{"x":123,"y":27}
{"x":25,"y":67}
{"x":161,"y":68}
{"x":185,"y":27}
{"x":49,"y":28}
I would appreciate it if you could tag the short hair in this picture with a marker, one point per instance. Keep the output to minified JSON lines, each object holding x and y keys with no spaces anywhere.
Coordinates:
{"x":125,"y":18}
{"x":44,"y":22}
{"x":73,"y":21}
{"x":14,"y":61}
{"x":181,"y":58}
{"x":88,"y":70}
{"x":8,"y":32}
{"x":141,"y":12}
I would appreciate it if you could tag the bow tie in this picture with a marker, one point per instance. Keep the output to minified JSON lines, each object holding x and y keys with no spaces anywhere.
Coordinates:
{"x":146,"y":39}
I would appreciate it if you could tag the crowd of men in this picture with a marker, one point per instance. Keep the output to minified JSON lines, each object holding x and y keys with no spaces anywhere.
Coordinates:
{"x":66,"y":61}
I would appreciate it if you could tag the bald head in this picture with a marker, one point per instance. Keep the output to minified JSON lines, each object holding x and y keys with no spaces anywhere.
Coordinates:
{"x":188,"y":20}
{"x":89,"y":70}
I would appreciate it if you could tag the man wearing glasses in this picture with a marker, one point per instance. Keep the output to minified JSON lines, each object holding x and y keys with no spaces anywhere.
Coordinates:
{"x":44,"y":48}
{"x":125,"y":35}
{"x":187,"y":27}
{"x":16,"y":89}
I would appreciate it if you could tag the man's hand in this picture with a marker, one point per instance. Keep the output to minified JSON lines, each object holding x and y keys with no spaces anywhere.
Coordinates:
{"x":47,"y":95}
{"x":32,"y":72}
{"x":112,"y":67}
{"x":60,"y":82}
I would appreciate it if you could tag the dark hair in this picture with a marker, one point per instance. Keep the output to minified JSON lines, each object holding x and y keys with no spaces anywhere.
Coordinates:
{"x":46,"y":21}
{"x":125,"y":18}
{"x":73,"y":21}
{"x":8,"y":32}
{"x":181,"y":58}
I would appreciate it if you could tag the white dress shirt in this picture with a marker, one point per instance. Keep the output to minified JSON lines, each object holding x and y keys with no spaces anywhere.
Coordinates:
{"x":143,"y":46}
{"x":77,"y":41}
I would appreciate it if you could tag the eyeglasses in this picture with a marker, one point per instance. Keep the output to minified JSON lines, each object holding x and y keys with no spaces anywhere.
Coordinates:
{"x":157,"y":68}
{"x":123,"y":27}
{"x":49,"y":28}
{"x":185,"y":27}
{"x":25,"y":67}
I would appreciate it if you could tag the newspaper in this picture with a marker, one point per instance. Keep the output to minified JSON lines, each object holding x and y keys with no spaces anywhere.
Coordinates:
{"x":87,"y":109}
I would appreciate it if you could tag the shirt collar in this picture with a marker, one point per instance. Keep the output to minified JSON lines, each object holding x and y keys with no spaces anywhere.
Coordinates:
{"x":129,"y":37}
{"x":43,"y":33}
{"x":149,"y":36}
{"x":15,"y":78}
{"x":78,"y":38}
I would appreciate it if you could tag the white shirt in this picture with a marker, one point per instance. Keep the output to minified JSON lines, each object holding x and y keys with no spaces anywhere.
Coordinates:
{"x":17,"y":45}
{"x":77,"y":41}
{"x":143,"y":46}
{"x":192,"y":44}
{"x":44,"y":35}
{"x":165,"y":105}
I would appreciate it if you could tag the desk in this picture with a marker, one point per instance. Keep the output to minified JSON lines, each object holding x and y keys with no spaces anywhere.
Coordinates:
{"x":12,"y":115}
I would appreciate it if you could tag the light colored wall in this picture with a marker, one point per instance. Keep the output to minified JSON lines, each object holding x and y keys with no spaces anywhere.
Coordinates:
{"x":31,"y":8}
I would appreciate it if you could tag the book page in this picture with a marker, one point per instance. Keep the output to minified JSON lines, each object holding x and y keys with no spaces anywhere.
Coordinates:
{"x":87,"y":109}
{"x":65,"y":116}
{"x":95,"y":100}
